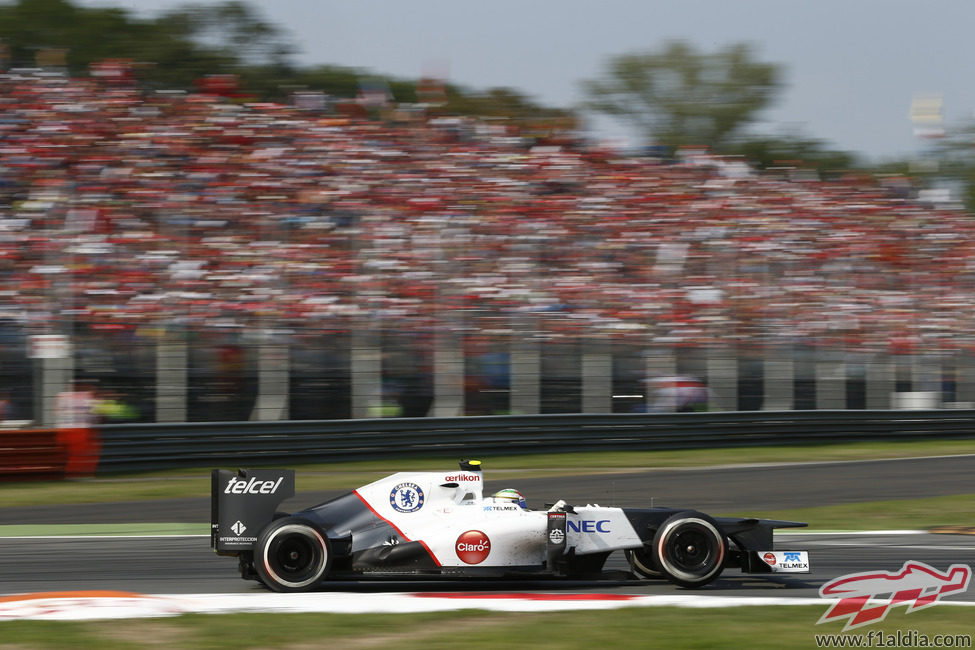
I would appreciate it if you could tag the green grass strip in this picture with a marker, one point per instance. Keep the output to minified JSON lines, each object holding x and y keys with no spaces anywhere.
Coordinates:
{"x":102,"y":530}
{"x":956,"y":510}
{"x":347,"y":475}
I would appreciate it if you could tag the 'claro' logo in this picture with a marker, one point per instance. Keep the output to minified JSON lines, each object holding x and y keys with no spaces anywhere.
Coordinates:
{"x":473,"y":547}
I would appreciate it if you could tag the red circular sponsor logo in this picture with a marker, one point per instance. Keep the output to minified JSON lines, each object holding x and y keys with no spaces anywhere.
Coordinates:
{"x":473,"y":547}
{"x":769,"y":557}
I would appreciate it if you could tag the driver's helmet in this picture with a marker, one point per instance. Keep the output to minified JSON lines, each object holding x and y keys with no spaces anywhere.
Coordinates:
{"x":509,"y":495}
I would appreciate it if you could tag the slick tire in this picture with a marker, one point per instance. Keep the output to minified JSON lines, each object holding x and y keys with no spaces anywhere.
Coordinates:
{"x":291,"y":555}
{"x":642,"y":563}
{"x":689,"y":550}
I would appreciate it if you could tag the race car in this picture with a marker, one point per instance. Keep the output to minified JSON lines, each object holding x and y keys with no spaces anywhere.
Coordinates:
{"x":438,"y":524}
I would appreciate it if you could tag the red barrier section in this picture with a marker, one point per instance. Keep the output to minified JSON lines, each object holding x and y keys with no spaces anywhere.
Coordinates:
{"x":45,"y":454}
{"x":83,"y":448}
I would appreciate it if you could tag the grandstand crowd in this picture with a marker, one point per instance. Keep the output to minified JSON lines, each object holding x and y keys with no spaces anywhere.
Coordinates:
{"x":123,"y":209}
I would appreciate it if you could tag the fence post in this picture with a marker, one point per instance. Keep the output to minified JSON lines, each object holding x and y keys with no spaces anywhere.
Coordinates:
{"x":597,"y":376}
{"x":448,"y":375}
{"x":830,"y":374}
{"x":926,"y":378}
{"x":273,"y":369}
{"x":366,"y":373}
{"x":965,"y":380}
{"x":526,"y":373}
{"x":779,"y":379}
{"x":880,"y":378}
{"x":171,"y":362}
{"x":722,"y":369}
{"x":659,"y":362}
{"x":56,"y":377}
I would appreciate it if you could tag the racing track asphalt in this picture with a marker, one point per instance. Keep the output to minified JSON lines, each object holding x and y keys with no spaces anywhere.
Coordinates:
{"x":185,"y":564}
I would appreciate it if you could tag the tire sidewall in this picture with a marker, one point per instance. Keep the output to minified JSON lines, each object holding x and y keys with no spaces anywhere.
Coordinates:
{"x":677,"y":524}
{"x":643,"y":563}
{"x":272,"y":535}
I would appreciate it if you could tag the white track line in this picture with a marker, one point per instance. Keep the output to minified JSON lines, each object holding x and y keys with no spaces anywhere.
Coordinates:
{"x":82,"y":606}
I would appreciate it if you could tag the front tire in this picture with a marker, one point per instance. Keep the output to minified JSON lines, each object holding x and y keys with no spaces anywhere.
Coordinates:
{"x":291,"y":555}
{"x":689,"y":549}
{"x":642,"y":562}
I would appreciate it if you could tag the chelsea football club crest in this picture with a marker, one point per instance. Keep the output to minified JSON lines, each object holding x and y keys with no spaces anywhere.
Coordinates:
{"x":406,"y":497}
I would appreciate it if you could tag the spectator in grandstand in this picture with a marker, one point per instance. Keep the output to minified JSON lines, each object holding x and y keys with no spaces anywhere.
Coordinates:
{"x":126,"y":212}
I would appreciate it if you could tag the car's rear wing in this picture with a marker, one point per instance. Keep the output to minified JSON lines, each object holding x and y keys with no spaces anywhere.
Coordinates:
{"x":242,"y":503}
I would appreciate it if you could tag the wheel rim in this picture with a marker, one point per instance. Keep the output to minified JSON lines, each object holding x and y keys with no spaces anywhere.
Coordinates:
{"x":691,"y":550}
{"x":295,"y":556}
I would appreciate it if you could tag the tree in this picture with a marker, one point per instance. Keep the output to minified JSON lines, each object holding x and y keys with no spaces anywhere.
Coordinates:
{"x":680,"y":96}
{"x":795,"y":150}
{"x":192,"y":41}
{"x":175,"y":48}
{"x":233,"y":29}
{"x":84,"y":35}
{"x":498,"y":102}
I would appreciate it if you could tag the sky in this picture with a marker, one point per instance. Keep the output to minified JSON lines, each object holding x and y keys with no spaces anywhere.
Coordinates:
{"x":850,"y":68}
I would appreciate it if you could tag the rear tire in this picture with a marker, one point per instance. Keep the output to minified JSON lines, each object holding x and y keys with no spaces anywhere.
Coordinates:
{"x":689,"y":549}
{"x":291,"y":555}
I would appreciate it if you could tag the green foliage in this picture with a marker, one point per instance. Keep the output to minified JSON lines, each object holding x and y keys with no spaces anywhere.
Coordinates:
{"x":350,"y":474}
{"x":805,"y":153}
{"x":175,"y":49}
{"x":336,"y":81}
{"x":895,"y":514}
{"x":171,"y":51}
{"x":232,"y":29}
{"x":680,"y":96}
{"x":497,"y":102}
{"x":968,"y":197}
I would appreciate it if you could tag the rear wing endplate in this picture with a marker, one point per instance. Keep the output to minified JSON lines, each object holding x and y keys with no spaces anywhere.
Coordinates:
{"x":242,"y":503}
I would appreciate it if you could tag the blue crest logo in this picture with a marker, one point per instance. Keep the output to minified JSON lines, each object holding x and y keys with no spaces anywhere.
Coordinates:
{"x":406,"y":497}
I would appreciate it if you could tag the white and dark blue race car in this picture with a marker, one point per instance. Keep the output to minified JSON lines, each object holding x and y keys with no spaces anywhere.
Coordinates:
{"x":439,"y":524}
